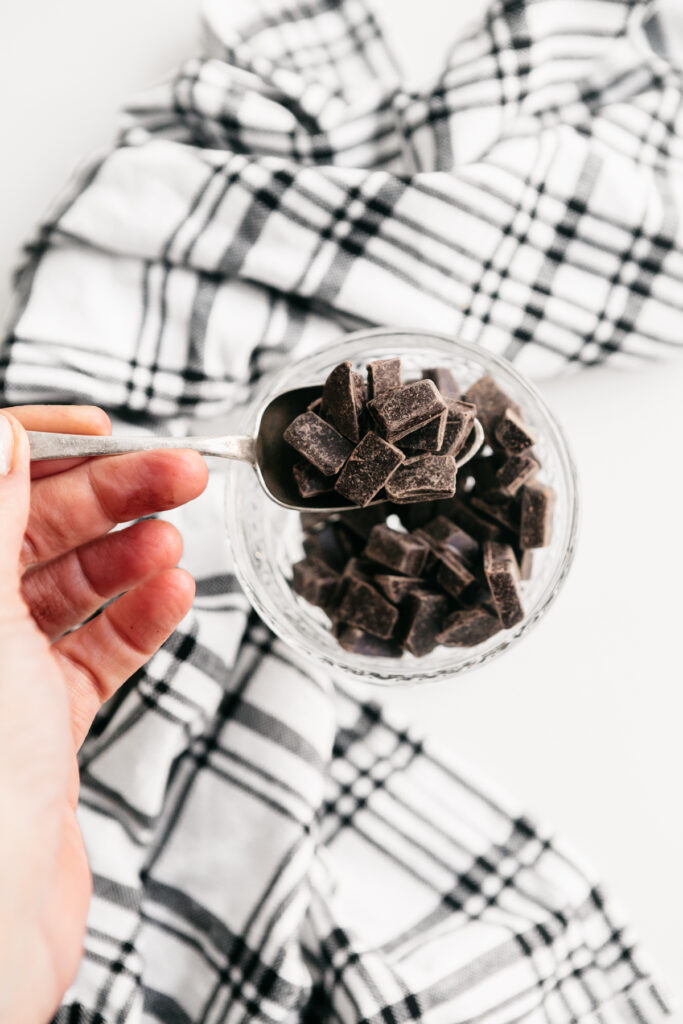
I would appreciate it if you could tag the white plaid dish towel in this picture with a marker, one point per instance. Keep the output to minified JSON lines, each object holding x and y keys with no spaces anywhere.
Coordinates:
{"x":265,"y":847}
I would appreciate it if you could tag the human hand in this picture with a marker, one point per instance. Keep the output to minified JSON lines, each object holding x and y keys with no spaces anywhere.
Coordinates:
{"x":58,"y":566}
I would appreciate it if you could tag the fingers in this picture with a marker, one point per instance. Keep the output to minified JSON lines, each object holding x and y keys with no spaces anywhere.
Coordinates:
{"x":61,"y":419}
{"x":72,"y":588}
{"x":73,"y":508}
{"x":102,"y":654}
{"x":14,"y":507}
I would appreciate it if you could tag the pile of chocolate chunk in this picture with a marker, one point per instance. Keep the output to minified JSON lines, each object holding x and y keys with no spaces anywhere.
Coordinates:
{"x":433,"y":555}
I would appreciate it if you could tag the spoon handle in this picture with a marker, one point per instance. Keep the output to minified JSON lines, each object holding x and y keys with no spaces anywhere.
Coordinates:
{"x":70,"y":446}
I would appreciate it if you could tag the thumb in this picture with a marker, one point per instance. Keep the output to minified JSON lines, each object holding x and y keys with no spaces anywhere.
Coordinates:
{"x":14,"y":503}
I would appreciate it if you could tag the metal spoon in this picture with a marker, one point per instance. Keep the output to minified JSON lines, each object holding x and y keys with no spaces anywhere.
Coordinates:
{"x":271,"y":457}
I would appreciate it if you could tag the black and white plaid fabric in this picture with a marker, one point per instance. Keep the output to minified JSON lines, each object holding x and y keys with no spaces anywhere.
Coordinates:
{"x":265,"y":847}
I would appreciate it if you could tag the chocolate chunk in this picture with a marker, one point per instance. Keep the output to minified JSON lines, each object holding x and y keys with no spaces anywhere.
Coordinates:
{"x":445,"y":381}
{"x":484,"y":469}
{"x":340,"y":401}
{"x":503,"y":511}
{"x":361,"y":520}
{"x":400,"y":551}
{"x":470,"y":521}
{"x":423,"y":477}
{"x":318,"y":442}
{"x":514,"y":472}
{"x":403,"y":410}
{"x":451,"y":574}
{"x":444,"y":533}
{"x":330,"y":545}
{"x":491,"y":402}
{"x":468,"y":627}
{"x":315,"y":581}
{"x":459,"y":422}
{"x":309,"y":481}
{"x":425,"y":614}
{"x":512,"y":433}
{"x":429,"y":438}
{"x":360,"y":569}
{"x":397,"y":588}
{"x":383,"y":375}
{"x":357,"y":641}
{"x":361,"y":605}
{"x":502,"y":575}
{"x":538,"y":503}
{"x":417,"y":514}
{"x":368,"y":468}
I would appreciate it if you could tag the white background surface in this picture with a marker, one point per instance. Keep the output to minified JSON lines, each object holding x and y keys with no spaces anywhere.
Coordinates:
{"x":582,"y":721}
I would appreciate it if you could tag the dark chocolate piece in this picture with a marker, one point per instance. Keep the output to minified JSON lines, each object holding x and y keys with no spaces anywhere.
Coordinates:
{"x":397,"y":588}
{"x":538,"y":503}
{"x":417,"y":514}
{"x":315,"y":581}
{"x":330,"y":545}
{"x":400,"y":551}
{"x":357,"y":641}
{"x":340,"y":401}
{"x":503,"y":511}
{"x":468,"y":627}
{"x":470,"y":521}
{"x":383,"y":375}
{"x":445,"y":381}
{"x":360,"y":568}
{"x":423,"y":621}
{"x":361,"y":520}
{"x":318,"y":442}
{"x":484,"y":469}
{"x":309,"y":481}
{"x":423,"y":477}
{"x":451,"y":574}
{"x":491,"y":402}
{"x":429,"y":438}
{"x":515,"y":472}
{"x":361,"y":605}
{"x":368,"y":468}
{"x":459,"y":422}
{"x":403,"y":410}
{"x":512,"y":433}
{"x":502,"y":575}
{"x":444,"y":533}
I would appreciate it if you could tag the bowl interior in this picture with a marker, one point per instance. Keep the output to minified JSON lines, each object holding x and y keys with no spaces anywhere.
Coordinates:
{"x":266,"y":538}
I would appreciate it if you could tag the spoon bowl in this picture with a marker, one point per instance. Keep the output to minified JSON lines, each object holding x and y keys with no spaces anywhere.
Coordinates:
{"x":270,"y":455}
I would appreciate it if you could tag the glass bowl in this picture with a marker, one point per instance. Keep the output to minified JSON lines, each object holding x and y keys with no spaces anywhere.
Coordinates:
{"x":266,"y":538}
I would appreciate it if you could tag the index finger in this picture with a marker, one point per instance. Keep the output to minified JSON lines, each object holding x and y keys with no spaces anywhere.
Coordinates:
{"x":61,"y":419}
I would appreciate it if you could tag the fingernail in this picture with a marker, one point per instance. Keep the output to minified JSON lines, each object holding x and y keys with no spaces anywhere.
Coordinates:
{"x":6,"y":446}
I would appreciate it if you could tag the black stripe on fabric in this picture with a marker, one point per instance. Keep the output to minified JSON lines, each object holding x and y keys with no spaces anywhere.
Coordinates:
{"x":76,"y":1013}
{"x":229,"y":946}
{"x":115,"y":892}
{"x":265,"y":200}
{"x":162,"y":1006}
{"x":247,"y":664}
{"x":534,"y":311}
{"x":216,"y":586}
{"x":275,"y":729}
{"x":649,"y":266}
{"x":266,"y":933}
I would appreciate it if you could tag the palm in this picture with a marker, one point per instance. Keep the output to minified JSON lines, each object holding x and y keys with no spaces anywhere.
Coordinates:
{"x":71,"y":566}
